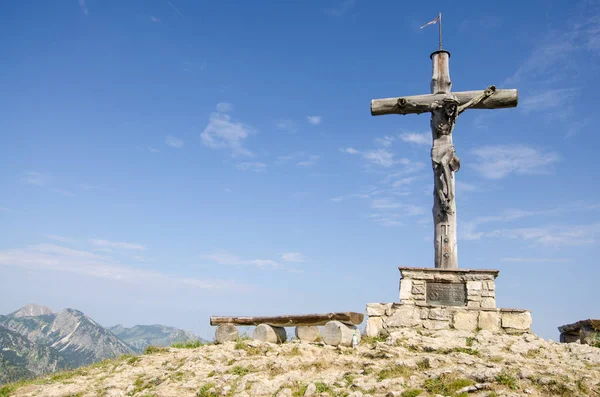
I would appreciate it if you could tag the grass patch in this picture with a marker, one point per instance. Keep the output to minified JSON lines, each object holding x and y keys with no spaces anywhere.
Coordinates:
{"x":394,"y":372}
{"x":470,"y":341}
{"x":205,"y":391}
{"x":298,"y":390}
{"x":423,"y":365}
{"x":295,"y":351}
{"x":239,"y":370}
{"x":132,"y":360}
{"x":446,"y":384}
{"x":466,"y":350}
{"x":323,"y":388}
{"x":533,"y":353}
{"x":496,"y":359}
{"x":155,"y":349}
{"x":349,"y":379}
{"x":411,"y":393}
{"x":581,"y":386}
{"x":192,"y":344}
{"x":506,"y":379}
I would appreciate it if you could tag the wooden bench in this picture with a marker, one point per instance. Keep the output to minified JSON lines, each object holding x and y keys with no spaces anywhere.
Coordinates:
{"x":339,"y":328}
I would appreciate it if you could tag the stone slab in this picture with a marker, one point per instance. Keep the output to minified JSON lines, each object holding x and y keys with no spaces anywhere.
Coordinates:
{"x":448,"y":294}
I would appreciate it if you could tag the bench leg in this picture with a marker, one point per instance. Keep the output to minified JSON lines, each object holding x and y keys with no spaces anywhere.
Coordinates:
{"x":226,"y":333}
{"x":267,"y":333}
{"x":309,"y":333}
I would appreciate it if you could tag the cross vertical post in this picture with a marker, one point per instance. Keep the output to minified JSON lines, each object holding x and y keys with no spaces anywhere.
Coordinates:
{"x":445,"y":107}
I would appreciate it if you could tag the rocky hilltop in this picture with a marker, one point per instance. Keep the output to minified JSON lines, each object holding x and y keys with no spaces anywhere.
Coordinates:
{"x":407,"y":363}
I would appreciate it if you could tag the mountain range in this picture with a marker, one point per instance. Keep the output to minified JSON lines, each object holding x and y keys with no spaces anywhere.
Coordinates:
{"x":34,"y":341}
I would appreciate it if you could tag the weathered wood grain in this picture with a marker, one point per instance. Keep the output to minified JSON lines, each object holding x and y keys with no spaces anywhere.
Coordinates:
{"x":267,"y":333}
{"x":335,"y":333}
{"x":308,"y":333}
{"x":226,"y":333}
{"x":423,"y":103}
{"x":291,"y":319}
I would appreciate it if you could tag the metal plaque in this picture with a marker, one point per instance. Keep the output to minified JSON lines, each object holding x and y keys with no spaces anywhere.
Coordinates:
{"x":448,"y":294}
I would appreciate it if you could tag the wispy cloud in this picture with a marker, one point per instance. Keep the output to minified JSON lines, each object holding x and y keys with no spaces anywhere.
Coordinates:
{"x":116,"y":245}
{"x":227,"y":258}
{"x":5,"y":209}
{"x":224,"y":107}
{"x":548,"y":100}
{"x":498,"y":161}
{"x":286,"y":125}
{"x":417,"y":138}
{"x":34,"y":178}
{"x":61,"y":239}
{"x":51,"y":257}
{"x":174,"y":8}
{"x":314,"y":120}
{"x":309,"y":162}
{"x":83,"y":7}
{"x":349,"y":150}
{"x":174,"y":142}
{"x":553,"y":235}
{"x":554,"y":57}
{"x":252,"y":166}
{"x":387,"y":204}
{"x":383,"y":157}
{"x":535,"y":260}
{"x":339,"y":8}
{"x":222,"y":133}
{"x":385,"y":141}
{"x":470,"y":230}
{"x":63,"y":192}
{"x":292,"y":257}
{"x":154,"y":19}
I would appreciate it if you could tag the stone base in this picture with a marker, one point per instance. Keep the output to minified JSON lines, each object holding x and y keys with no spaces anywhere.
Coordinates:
{"x":388,"y":317}
{"x":473,"y":288}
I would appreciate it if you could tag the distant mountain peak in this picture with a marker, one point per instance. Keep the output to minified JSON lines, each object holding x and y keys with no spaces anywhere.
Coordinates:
{"x":32,"y":310}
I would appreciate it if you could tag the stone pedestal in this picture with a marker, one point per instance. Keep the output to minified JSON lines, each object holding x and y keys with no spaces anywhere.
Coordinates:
{"x":462,"y":299}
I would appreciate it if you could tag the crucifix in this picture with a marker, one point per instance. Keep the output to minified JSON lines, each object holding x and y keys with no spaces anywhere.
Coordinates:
{"x":445,"y":107}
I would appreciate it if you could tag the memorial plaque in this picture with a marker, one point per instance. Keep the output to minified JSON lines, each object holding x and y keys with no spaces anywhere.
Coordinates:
{"x":448,"y":294}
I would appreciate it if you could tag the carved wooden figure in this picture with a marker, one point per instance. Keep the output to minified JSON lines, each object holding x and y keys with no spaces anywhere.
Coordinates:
{"x":445,"y":107}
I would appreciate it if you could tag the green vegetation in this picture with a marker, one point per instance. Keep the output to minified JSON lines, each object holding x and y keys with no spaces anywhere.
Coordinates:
{"x":323,"y":388}
{"x":465,"y":350}
{"x":155,"y":349}
{"x":294,"y":352}
{"x":239,"y":370}
{"x":298,"y":390}
{"x":446,"y":384}
{"x":470,"y":341}
{"x":205,"y":391}
{"x":423,"y":365}
{"x":132,"y":360}
{"x":506,"y":379}
{"x":372,"y":340}
{"x":349,"y":379}
{"x":411,"y":393}
{"x":192,"y":344}
{"x":394,"y":372}
{"x":7,"y":390}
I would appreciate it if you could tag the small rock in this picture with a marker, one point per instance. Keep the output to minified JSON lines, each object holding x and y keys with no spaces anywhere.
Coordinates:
{"x":355,"y":394}
{"x":284,"y":393}
{"x":466,"y":389}
{"x":310,"y":390}
{"x":525,"y":373}
{"x":544,"y":381}
{"x":528,"y":391}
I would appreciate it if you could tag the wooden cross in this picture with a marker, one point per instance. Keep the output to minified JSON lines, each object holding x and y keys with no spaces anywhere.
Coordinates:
{"x":445,"y":107}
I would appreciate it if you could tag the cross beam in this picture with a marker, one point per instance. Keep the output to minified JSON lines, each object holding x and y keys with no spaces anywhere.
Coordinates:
{"x":445,"y":107}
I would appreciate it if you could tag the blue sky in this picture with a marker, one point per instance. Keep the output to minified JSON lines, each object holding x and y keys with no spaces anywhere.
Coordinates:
{"x":164,"y":161}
